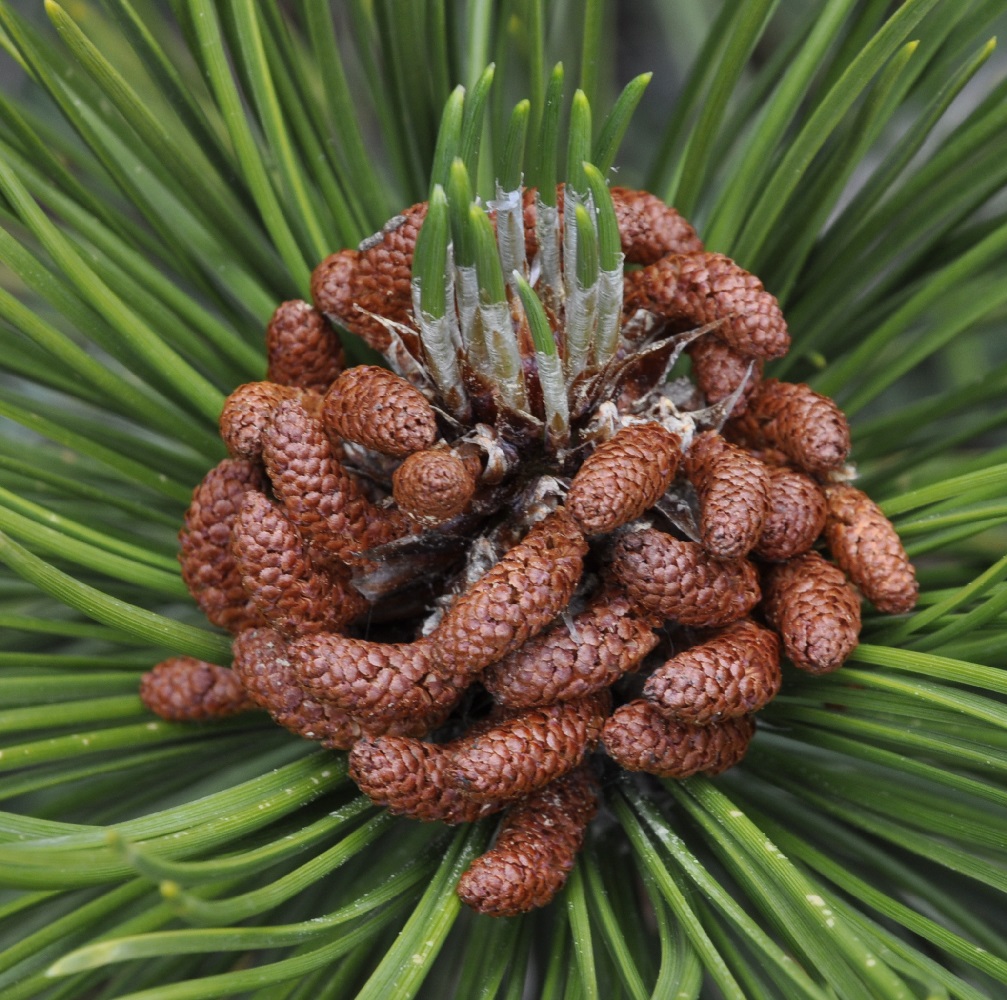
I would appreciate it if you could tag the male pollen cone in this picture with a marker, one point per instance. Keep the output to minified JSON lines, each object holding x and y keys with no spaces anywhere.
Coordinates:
{"x":303,"y":350}
{"x":815,"y":611}
{"x":623,"y":477}
{"x":640,"y":738}
{"x":807,"y":427}
{"x":353,"y":286}
{"x":184,"y":689}
{"x":866,"y":545}
{"x":574,"y":658}
{"x":435,"y":485}
{"x":674,"y":579}
{"x":795,"y":518}
{"x":318,"y":494}
{"x":529,"y":749}
{"x":535,"y":850}
{"x":733,"y":672}
{"x":246,"y":414}
{"x":208,"y":565}
{"x":373,"y":680}
{"x":690,"y":290}
{"x":407,"y":777}
{"x":262,"y":664}
{"x":731,"y":484}
{"x":718,"y":370}
{"x":650,"y":229}
{"x":380,"y":410}
{"x":514,"y":600}
{"x":278,"y":576}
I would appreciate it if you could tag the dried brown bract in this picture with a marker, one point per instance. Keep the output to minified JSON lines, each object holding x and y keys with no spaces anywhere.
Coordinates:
{"x":575,"y":657}
{"x":807,"y":427}
{"x":377,"y":409}
{"x":795,"y":518}
{"x":866,"y":545}
{"x":731,"y":485}
{"x":733,"y":672}
{"x":623,"y":477}
{"x":640,"y":738}
{"x":302,"y":348}
{"x":184,"y":689}
{"x":810,"y":604}
{"x":670,"y":578}
{"x":537,"y":845}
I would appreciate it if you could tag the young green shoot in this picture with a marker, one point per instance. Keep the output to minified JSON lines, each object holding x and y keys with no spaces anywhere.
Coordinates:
{"x":494,"y":344}
{"x":614,"y":128}
{"x":550,"y":371}
{"x":610,"y":261}
{"x":449,"y":137}
{"x":509,"y":201}
{"x":433,"y":300}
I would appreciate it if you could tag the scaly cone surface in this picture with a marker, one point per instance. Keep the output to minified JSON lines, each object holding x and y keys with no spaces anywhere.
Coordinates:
{"x":455,"y":567}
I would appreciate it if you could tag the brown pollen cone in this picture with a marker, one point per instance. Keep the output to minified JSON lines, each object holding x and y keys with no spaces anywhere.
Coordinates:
{"x":690,"y":290}
{"x":302,"y":348}
{"x":208,"y":566}
{"x":574,"y":658}
{"x":262,"y":661}
{"x":623,"y":477}
{"x":435,"y":485}
{"x":376,"y":408}
{"x":246,"y":414}
{"x":318,"y":494}
{"x":807,"y":427}
{"x":795,"y":518}
{"x":407,"y":777}
{"x":731,"y":485}
{"x":184,"y":689}
{"x":866,"y":545}
{"x":535,"y":850}
{"x":640,"y":738}
{"x":376,"y":279}
{"x":332,"y":293}
{"x":373,"y":680}
{"x":669,"y":578}
{"x":279,"y":578}
{"x":513,"y":600}
{"x":816,"y":612}
{"x":262,"y":664}
{"x":528,"y":750}
{"x":649,"y":228}
{"x":734,"y":672}
{"x":718,"y":370}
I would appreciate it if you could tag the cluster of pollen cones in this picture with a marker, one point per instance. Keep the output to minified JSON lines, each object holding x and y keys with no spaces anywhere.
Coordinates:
{"x":631,"y":592}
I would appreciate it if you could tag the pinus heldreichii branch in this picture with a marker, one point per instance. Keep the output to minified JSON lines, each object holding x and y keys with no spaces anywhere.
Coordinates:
{"x":438,"y":485}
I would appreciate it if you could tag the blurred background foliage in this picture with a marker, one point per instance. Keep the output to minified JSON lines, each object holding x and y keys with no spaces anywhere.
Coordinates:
{"x":169,"y":172}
